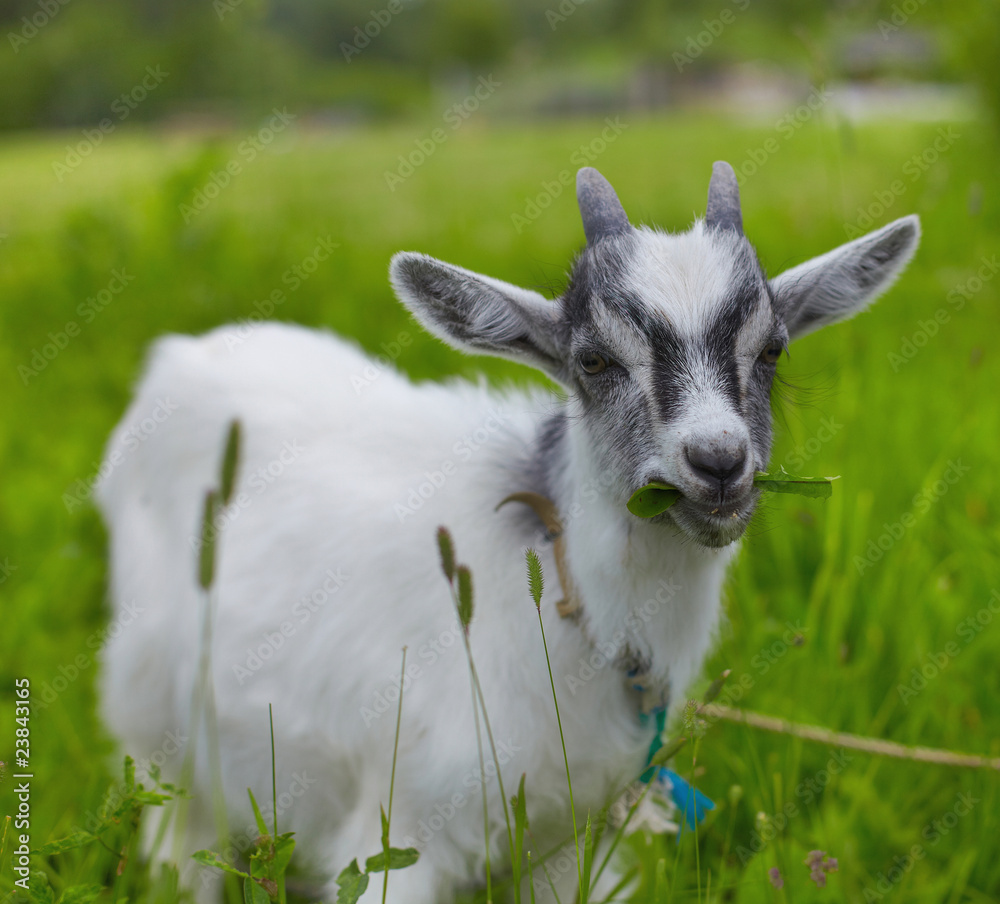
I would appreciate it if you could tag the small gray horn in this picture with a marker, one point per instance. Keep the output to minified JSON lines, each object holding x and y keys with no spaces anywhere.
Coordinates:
{"x":602,"y":212}
{"x":723,"y":211}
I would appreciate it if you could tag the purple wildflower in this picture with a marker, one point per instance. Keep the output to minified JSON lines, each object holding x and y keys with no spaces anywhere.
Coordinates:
{"x":774,"y":874}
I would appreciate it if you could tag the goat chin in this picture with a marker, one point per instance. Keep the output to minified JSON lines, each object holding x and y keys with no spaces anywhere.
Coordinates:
{"x":328,"y":567}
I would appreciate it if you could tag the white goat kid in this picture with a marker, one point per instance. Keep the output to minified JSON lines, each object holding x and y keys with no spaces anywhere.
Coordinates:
{"x":666,"y":346}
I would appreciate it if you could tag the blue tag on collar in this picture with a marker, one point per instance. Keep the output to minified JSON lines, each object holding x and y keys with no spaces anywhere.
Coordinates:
{"x":692,"y":804}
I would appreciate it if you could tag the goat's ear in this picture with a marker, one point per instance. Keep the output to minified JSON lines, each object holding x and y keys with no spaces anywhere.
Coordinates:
{"x":477,"y":313}
{"x":844,"y":281}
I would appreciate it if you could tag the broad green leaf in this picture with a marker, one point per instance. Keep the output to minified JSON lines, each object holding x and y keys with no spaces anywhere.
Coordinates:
{"x":652,"y":499}
{"x":261,"y":825}
{"x":230,"y":460}
{"x":399,"y":858}
{"x":80,"y":894}
{"x":39,"y":890}
{"x":210,"y":858}
{"x":536,"y":580}
{"x":351,"y":884}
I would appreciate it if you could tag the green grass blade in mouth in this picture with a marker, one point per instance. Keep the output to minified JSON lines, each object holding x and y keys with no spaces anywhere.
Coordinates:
{"x":783,"y":482}
{"x":654,"y":498}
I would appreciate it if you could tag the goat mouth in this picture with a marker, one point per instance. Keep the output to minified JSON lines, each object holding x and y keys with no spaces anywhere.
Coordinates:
{"x":712,"y":525}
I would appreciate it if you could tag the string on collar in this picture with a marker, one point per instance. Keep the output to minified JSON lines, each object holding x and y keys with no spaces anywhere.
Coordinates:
{"x":548,"y":514}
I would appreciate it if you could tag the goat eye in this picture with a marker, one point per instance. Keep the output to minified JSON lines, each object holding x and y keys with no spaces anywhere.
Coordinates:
{"x":593,"y":363}
{"x":771,"y":353}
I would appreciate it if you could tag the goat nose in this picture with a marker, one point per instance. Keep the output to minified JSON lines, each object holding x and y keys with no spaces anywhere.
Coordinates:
{"x":716,"y":463}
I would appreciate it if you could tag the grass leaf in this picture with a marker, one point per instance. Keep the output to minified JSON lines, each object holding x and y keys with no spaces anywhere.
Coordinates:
{"x":783,"y":482}
{"x":655,"y":498}
{"x":588,"y":858}
{"x":253,"y":893}
{"x":464,"y":595}
{"x":69,"y":843}
{"x":520,"y":807}
{"x":230,"y":461}
{"x":210,"y":858}
{"x":715,"y":687}
{"x":206,"y":558}
{"x":667,"y":752}
{"x":258,"y":818}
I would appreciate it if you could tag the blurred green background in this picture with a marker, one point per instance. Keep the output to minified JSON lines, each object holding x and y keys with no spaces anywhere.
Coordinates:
{"x":165,"y":166}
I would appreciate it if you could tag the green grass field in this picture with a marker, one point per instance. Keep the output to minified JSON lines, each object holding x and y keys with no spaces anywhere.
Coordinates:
{"x":832,"y":606}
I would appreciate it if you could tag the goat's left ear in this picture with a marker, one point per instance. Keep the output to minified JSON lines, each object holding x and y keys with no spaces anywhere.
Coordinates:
{"x":477,"y":313}
{"x":844,"y":281}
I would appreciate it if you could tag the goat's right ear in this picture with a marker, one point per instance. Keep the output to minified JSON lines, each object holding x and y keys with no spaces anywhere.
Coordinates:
{"x":477,"y":313}
{"x":842,"y":282}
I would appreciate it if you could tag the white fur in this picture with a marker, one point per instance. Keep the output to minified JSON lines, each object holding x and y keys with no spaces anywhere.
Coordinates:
{"x":328,"y":567}
{"x":333,"y":507}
